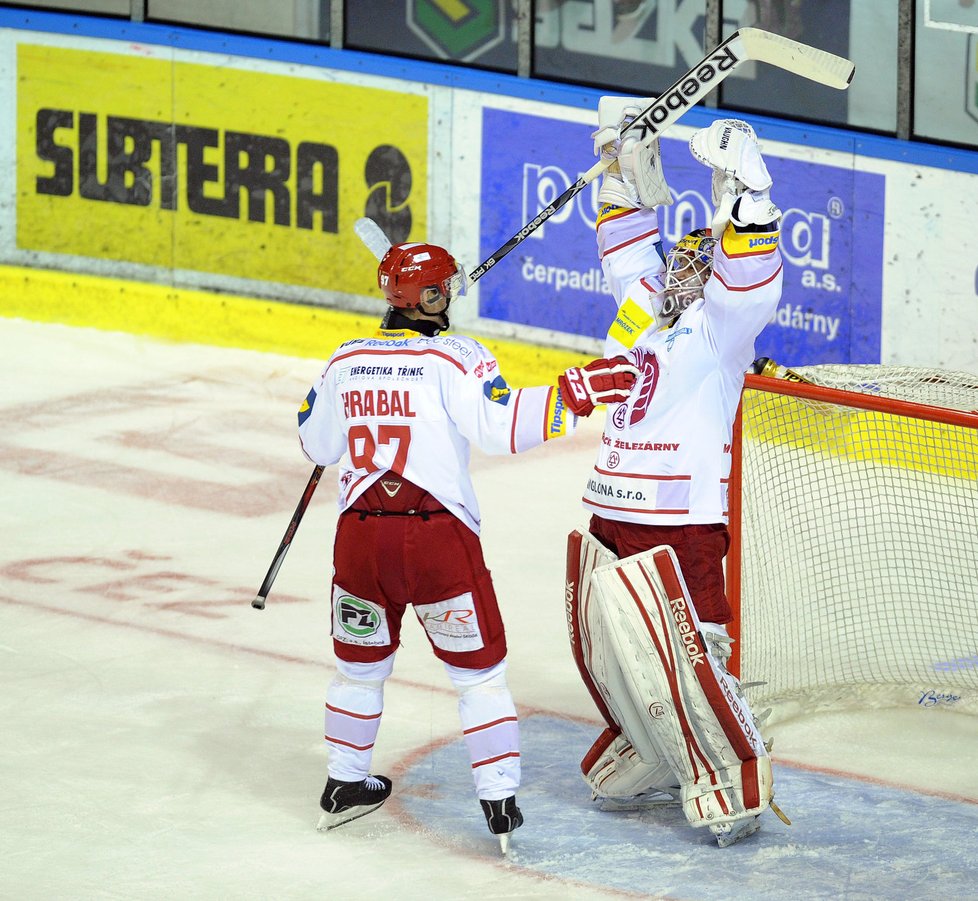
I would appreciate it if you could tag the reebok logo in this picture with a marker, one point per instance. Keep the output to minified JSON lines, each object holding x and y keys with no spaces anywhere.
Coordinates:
{"x":686,"y":92}
{"x":691,"y":644}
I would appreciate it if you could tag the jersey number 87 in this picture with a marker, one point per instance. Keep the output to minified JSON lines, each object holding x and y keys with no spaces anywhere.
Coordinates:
{"x":363,"y":446}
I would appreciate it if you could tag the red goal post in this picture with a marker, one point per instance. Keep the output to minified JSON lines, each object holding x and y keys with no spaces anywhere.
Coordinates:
{"x":853,"y":567}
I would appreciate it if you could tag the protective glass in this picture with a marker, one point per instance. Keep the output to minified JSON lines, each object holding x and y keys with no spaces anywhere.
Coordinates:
{"x":456,"y":285}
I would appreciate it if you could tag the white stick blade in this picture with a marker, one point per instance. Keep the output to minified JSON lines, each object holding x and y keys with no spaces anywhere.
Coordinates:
{"x":808,"y":62}
{"x":372,"y":236}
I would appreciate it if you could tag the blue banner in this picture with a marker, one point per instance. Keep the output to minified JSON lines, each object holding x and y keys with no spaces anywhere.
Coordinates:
{"x":831,"y":240}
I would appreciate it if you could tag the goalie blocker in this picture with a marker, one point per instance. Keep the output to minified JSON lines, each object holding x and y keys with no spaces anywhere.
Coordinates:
{"x":676,"y":722}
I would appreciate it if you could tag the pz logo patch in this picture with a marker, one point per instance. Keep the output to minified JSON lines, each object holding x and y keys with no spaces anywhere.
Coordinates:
{"x":357,"y":618}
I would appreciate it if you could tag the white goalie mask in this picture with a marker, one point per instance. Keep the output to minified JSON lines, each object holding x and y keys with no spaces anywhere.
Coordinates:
{"x":688,"y":266}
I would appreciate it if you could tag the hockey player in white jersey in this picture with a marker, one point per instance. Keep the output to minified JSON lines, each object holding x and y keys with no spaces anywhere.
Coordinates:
{"x":398,"y":411}
{"x":687,"y":319}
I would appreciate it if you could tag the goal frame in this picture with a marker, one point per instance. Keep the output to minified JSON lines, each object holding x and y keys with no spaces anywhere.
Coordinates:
{"x":734,"y":560}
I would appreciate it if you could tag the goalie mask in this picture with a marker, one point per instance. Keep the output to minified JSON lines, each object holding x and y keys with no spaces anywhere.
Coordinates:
{"x":688,"y":266}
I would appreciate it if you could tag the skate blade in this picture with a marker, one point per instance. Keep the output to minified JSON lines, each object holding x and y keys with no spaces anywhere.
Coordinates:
{"x":331,"y":820}
{"x":737,"y":833}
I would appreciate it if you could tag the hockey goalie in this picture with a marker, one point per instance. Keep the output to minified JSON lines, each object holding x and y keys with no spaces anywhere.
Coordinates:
{"x":646,"y":603}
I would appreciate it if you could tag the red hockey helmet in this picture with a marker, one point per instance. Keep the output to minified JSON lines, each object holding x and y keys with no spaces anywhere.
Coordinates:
{"x":408,"y":270}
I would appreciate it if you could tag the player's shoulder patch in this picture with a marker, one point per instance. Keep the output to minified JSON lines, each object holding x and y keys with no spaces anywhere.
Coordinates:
{"x":609,"y":211}
{"x":630,"y":322}
{"x":746,"y":244}
{"x":496,"y":389}
{"x":305,"y":409}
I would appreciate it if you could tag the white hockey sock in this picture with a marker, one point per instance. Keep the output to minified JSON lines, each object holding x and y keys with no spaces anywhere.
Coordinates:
{"x":354,"y":704}
{"x":490,"y":727}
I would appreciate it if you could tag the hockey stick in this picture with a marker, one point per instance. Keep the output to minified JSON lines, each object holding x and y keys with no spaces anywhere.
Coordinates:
{"x":378,"y":244}
{"x":742,"y":46}
{"x":259,"y":602}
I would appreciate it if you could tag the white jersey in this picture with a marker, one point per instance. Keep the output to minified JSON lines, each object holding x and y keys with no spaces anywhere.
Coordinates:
{"x":402,"y":402}
{"x":665,"y":452}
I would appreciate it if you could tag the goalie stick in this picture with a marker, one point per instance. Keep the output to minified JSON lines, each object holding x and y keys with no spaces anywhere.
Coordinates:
{"x":744,"y":45}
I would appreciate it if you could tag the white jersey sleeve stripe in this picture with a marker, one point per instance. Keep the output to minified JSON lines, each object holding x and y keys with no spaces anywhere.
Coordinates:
{"x":752,"y":287}
{"x":640,"y":237}
{"x":516,"y":418}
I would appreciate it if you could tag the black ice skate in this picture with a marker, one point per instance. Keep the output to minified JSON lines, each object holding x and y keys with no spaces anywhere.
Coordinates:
{"x":502,"y":817}
{"x":345,"y":801}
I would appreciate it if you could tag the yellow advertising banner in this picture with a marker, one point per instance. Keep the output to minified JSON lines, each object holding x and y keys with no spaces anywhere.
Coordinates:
{"x":214,"y":169}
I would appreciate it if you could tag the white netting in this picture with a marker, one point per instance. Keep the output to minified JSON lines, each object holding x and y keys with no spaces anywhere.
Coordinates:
{"x":860,"y":544}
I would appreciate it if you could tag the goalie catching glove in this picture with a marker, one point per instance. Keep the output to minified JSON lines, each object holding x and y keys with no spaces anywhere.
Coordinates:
{"x":741,"y":181}
{"x":600,"y":382}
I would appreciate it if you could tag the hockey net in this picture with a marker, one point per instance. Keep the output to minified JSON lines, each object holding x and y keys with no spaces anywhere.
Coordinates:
{"x":854,"y":518}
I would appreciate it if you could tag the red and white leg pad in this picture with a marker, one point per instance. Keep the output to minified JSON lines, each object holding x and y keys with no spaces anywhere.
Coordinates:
{"x":614,"y":767}
{"x":689,"y":707}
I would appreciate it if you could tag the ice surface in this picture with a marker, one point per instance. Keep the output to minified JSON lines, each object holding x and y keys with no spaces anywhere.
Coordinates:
{"x":162,"y":739}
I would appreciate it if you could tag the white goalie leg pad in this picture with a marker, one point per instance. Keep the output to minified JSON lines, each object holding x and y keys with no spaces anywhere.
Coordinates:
{"x":643,"y":766}
{"x":584,"y":555}
{"x":614,"y":770}
{"x":692,"y":712}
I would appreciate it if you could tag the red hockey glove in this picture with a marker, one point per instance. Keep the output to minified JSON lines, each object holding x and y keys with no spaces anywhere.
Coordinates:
{"x":600,"y":382}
